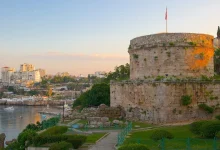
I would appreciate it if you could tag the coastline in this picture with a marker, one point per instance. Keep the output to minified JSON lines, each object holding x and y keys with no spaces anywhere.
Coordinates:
{"x":35,"y":102}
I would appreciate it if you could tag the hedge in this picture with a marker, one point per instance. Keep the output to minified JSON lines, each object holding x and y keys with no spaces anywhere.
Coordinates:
{"x":75,"y":140}
{"x":61,"y":146}
{"x":55,"y":130}
{"x":160,"y":134}
{"x":210,"y":129}
{"x":195,"y":127}
{"x":133,"y":147}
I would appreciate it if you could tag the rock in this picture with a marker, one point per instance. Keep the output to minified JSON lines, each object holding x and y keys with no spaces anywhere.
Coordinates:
{"x":2,"y":140}
{"x":107,"y":124}
{"x":121,"y":122}
{"x":93,"y":122}
{"x":102,"y":106}
{"x":104,"y":119}
{"x":99,"y":124}
{"x":116,"y":122}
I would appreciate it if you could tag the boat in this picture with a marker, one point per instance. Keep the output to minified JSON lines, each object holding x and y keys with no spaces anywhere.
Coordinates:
{"x":9,"y":108}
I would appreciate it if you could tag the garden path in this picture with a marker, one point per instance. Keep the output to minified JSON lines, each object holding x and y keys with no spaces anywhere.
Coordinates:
{"x":107,"y":143}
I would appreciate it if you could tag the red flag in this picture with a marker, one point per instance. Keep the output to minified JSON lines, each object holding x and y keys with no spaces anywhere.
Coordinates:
{"x":166,"y":14}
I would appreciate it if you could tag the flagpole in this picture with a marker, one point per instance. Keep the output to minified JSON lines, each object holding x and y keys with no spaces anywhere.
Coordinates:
{"x":166,"y":19}
{"x":166,"y":26}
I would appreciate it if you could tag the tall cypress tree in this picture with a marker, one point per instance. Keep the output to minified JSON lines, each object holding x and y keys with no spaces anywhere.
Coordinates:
{"x":218,"y":32}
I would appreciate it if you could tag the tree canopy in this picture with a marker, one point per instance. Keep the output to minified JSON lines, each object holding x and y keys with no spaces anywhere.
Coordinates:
{"x":100,"y":92}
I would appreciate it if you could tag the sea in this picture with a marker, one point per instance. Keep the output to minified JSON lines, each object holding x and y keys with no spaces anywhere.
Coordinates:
{"x":12,"y":122}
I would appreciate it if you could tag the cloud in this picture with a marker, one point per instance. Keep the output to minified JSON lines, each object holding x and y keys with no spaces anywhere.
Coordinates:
{"x":62,"y":55}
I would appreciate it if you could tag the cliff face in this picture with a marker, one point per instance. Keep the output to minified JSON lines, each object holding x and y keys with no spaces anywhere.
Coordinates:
{"x":35,"y":102}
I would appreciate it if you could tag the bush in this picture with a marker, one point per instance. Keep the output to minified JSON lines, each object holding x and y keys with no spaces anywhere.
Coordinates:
{"x":26,"y":136}
{"x":186,"y":100}
{"x":13,"y":146}
{"x":133,"y":147}
{"x":60,"y":146}
{"x":159,"y":134}
{"x":195,"y":127}
{"x":210,"y":129}
{"x":217,"y":117}
{"x":55,"y":130}
{"x":206,"y":108}
{"x":75,"y":140}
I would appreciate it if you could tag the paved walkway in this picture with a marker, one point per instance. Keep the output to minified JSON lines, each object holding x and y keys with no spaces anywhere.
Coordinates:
{"x":106,"y":143}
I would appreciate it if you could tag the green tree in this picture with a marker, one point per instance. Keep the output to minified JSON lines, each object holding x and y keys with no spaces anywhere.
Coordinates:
{"x":99,"y":94}
{"x":217,"y":61}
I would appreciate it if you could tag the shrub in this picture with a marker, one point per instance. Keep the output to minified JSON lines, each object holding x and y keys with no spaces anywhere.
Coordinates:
{"x":210,"y":129}
{"x":135,"y":56}
{"x":159,"y":134}
{"x":195,"y":127}
{"x":43,"y":139}
{"x":55,"y":130}
{"x":206,"y":108}
{"x":26,"y":136}
{"x":133,"y":147}
{"x":76,"y":140}
{"x":217,"y":117}
{"x":60,"y":146}
{"x":186,"y":100}
{"x":13,"y":146}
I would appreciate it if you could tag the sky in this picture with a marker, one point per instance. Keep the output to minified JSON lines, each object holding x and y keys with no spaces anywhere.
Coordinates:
{"x":84,"y":36}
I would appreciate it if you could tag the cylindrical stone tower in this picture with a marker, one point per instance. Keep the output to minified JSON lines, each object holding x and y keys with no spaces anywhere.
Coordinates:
{"x":171,"y":54}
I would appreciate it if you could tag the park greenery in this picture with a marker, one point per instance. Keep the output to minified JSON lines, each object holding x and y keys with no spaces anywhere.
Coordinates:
{"x":100,"y":92}
{"x":200,"y":135}
{"x":133,"y":147}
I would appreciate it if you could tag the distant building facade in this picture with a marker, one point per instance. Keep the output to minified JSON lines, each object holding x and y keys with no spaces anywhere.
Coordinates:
{"x":7,"y":73}
{"x":26,"y":75}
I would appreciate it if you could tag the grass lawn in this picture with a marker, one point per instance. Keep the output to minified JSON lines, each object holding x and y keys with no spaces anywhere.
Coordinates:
{"x":83,"y":121}
{"x":180,"y":133}
{"x":140,"y":125}
{"x":92,"y":138}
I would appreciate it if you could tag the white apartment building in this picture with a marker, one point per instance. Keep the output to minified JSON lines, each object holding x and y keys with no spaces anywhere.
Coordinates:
{"x":7,"y":73}
{"x":26,"y":67}
{"x":100,"y":74}
{"x":26,"y":74}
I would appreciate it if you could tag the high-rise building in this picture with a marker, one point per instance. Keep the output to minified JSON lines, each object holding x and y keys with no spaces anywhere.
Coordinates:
{"x":26,"y":67}
{"x":42,"y":72}
{"x":7,"y":73}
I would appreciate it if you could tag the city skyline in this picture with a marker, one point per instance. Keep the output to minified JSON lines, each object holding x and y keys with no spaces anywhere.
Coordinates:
{"x":88,"y":36}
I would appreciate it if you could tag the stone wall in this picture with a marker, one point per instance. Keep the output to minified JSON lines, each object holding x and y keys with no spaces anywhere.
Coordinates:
{"x":160,"y":102}
{"x":178,"y":54}
{"x":101,"y":111}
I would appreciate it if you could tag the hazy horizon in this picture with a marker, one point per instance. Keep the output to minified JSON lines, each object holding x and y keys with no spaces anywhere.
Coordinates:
{"x":81,"y":37}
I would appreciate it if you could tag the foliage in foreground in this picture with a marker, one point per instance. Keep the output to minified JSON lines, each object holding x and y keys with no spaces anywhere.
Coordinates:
{"x":75,"y":140}
{"x":207,"y":129}
{"x":55,"y":130}
{"x":160,"y":134}
{"x":133,"y":147}
{"x":61,"y":146}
